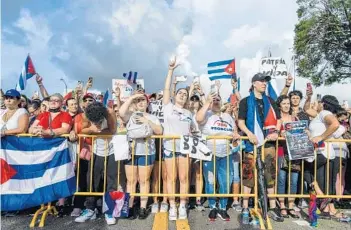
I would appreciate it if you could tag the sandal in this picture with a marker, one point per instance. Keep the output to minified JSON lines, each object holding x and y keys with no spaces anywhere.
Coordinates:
{"x":284,"y":215}
{"x":293,"y":215}
{"x":337,"y":215}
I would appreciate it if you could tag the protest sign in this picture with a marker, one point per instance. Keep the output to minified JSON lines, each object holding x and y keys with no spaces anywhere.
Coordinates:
{"x":298,"y":143}
{"x":274,"y":67}
{"x":195,"y":147}
{"x":126,"y":87}
{"x":156,"y":109}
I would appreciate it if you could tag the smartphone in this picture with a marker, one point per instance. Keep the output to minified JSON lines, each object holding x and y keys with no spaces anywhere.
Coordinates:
{"x":139,"y":87}
{"x":309,"y":86}
{"x":213,"y":89}
{"x":319,"y":97}
{"x":80,"y":85}
{"x":36,"y":94}
{"x":181,"y":78}
{"x":139,"y":114}
{"x":90,"y":80}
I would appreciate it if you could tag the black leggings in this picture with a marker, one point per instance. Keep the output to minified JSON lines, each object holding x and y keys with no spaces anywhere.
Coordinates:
{"x":334,"y":166}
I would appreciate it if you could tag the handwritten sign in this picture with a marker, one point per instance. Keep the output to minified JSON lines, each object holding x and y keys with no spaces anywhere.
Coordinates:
{"x":156,"y":109}
{"x":195,"y":147}
{"x":274,"y":67}
{"x":298,"y":143}
{"x":126,"y":87}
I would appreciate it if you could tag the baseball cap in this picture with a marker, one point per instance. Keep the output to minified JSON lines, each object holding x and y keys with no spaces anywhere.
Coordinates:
{"x":89,"y":95}
{"x":12,"y":93}
{"x":260,"y":77}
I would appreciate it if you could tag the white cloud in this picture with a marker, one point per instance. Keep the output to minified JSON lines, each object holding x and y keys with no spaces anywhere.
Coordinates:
{"x":244,"y":35}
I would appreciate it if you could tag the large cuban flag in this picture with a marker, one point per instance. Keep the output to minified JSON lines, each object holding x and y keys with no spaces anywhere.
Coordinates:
{"x":34,"y":171}
{"x":28,"y":71}
{"x":221,"y":69}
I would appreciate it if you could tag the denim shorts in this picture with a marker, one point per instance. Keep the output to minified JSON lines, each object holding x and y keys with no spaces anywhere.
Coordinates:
{"x":142,"y":160}
{"x":236,"y":164}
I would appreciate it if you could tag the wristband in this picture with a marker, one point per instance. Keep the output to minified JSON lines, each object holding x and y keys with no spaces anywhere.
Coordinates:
{"x":287,"y":86}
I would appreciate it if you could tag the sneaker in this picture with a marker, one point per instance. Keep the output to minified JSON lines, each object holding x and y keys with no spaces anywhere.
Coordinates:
{"x":110,"y":220}
{"x":182,"y":212}
{"x":213,"y":214}
{"x":164,"y":207}
{"x":76,"y":212}
{"x":143,"y":213}
{"x":172,"y":213}
{"x":223,"y":215}
{"x":199,"y":207}
{"x":87,"y":214}
{"x":245,"y":216}
{"x":275,"y":215}
{"x":154,"y":208}
{"x":133,"y":214}
{"x":237,"y":206}
{"x":303,"y":204}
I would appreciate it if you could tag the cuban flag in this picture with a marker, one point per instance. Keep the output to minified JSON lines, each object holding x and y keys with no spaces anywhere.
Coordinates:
{"x":272,"y":89}
{"x":221,"y":69}
{"x":34,"y":171}
{"x":131,"y":77}
{"x":28,"y":71}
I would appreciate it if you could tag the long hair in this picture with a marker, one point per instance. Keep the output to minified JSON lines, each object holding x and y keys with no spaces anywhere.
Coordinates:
{"x":331,"y":104}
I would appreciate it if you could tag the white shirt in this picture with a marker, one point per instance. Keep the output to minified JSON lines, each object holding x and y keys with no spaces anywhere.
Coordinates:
{"x":101,"y":148}
{"x":215,"y":125}
{"x":177,"y":122}
{"x":12,"y":123}
{"x":317,"y":127}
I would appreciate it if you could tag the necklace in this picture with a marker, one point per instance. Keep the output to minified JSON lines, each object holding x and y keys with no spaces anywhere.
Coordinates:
{"x":8,"y":115}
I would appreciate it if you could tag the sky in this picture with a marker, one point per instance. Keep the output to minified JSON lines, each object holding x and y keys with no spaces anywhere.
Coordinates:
{"x":106,"y":38}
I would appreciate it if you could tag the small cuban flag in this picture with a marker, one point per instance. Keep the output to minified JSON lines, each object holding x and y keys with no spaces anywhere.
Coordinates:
{"x":130,"y":76}
{"x":221,"y":69}
{"x":28,"y":71}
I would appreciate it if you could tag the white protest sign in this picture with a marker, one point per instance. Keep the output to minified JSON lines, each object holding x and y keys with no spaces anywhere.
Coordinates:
{"x":126,"y":87}
{"x":195,"y":147}
{"x":120,"y":147}
{"x":274,"y":67}
{"x":156,"y":109}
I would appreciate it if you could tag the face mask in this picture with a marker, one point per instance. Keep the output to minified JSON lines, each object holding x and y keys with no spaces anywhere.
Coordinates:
{"x":55,"y":110}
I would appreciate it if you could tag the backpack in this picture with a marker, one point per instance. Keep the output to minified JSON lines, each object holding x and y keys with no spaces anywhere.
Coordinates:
{"x":137,"y":131}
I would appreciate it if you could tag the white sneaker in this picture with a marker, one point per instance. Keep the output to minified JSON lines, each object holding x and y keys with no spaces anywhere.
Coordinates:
{"x":303,"y":204}
{"x":172,"y":214}
{"x":76,"y":212}
{"x":182,"y":212}
{"x":87,"y":214}
{"x":110,"y":220}
{"x":154,"y":208}
{"x":164,"y":207}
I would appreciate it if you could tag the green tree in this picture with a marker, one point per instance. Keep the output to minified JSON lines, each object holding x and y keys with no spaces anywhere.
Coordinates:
{"x":322,"y":41}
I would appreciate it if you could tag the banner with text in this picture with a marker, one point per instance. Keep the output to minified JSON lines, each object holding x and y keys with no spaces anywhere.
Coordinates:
{"x":126,"y":87}
{"x":196,"y":147}
{"x":274,"y":67}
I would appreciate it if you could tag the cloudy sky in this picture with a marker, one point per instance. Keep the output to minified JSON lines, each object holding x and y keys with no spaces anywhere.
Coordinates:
{"x":105,"y":38}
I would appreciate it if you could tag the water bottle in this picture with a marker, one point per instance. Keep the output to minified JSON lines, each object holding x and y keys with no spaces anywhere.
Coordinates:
{"x":245,"y":217}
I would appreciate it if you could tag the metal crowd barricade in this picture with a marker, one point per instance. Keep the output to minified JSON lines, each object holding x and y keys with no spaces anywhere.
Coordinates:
{"x":329,"y":142}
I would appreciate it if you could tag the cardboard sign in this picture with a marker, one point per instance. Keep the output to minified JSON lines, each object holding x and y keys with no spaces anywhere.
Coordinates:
{"x":156,"y":109}
{"x":274,"y":67}
{"x":298,"y":143}
{"x":127,"y":88}
{"x":195,"y":147}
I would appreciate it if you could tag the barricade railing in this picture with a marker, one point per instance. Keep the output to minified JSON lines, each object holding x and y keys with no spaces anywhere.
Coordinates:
{"x":90,"y":191}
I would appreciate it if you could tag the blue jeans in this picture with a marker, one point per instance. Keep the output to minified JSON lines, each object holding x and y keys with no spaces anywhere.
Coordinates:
{"x":283,"y":176}
{"x":220,"y":177}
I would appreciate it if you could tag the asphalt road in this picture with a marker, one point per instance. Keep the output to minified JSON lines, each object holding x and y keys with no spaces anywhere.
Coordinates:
{"x":197,"y":221}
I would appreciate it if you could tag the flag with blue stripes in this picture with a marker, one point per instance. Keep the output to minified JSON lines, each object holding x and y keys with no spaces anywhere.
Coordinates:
{"x":28,"y":71}
{"x":132,"y":77}
{"x":221,"y":69}
{"x":106,"y":96}
{"x":34,"y":171}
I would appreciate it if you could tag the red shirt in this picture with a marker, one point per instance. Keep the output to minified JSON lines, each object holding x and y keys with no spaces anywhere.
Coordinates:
{"x":56,"y":123}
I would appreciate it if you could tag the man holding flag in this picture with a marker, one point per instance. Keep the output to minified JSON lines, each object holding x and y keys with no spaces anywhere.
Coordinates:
{"x":258,"y":119}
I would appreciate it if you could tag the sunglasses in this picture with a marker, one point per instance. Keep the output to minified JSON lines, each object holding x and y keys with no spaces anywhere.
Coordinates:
{"x":57,"y":100}
{"x":9,"y":97}
{"x":86,"y":100}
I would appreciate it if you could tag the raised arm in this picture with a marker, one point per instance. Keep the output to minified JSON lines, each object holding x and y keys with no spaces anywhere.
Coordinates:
{"x":307,"y":107}
{"x":288,"y":83}
{"x":201,"y":114}
{"x":167,"y":90}
{"x":42,"y":88}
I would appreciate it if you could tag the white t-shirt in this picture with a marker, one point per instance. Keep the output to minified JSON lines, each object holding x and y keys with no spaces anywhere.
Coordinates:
{"x":12,"y":123}
{"x":140,"y":148}
{"x":101,"y":148}
{"x":177,"y":122}
{"x":317,"y":127}
{"x":215,"y":125}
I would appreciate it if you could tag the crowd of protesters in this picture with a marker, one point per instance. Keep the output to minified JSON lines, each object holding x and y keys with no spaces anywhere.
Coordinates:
{"x":188,"y":111}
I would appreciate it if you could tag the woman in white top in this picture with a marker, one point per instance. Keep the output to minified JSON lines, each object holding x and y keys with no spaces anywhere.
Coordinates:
{"x":14,"y":120}
{"x":177,"y":121}
{"x":213,"y":122}
{"x":139,"y":169}
{"x":322,"y":127}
